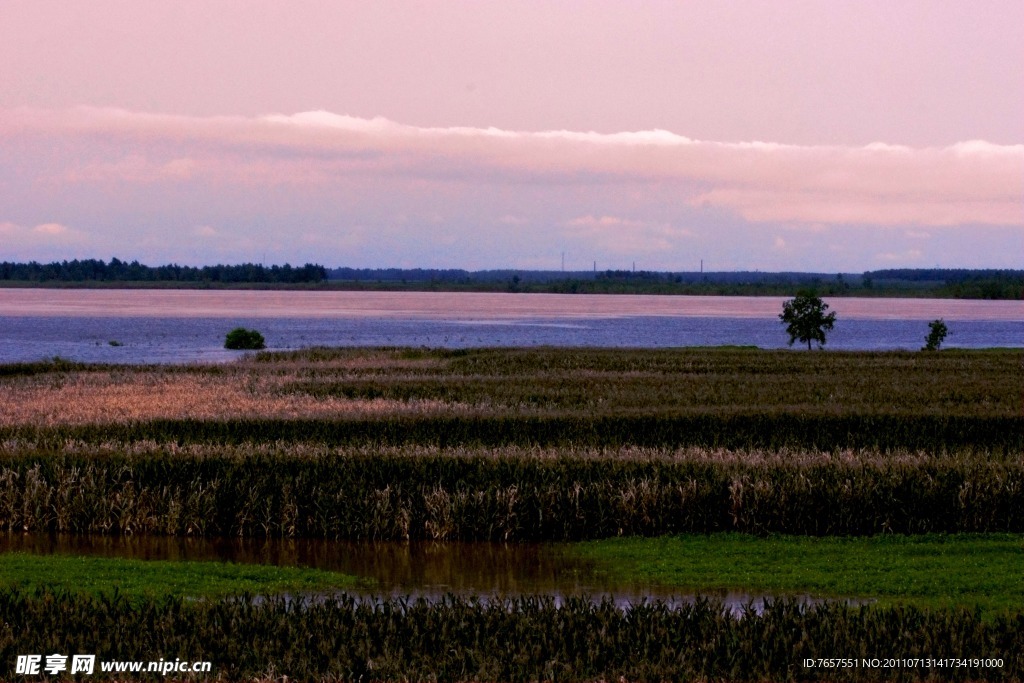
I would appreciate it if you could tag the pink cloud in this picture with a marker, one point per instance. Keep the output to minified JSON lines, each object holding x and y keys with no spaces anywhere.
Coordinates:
{"x":41,"y":232}
{"x":602,"y":222}
{"x":51,"y":229}
{"x":133,"y":168}
{"x":44,"y":234}
{"x":626,"y":236}
{"x":205,"y":231}
{"x":971,"y":182}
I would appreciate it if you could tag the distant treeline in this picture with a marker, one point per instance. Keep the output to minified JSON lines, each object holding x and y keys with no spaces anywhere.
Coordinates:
{"x":946,"y":275}
{"x":116,"y":270}
{"x":931,"y":282}
{"x":959,"y":283}
{"x":453,"y":275}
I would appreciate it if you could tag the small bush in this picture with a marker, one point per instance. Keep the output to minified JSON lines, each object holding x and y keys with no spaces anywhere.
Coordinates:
{"x":245,"y":340}
{"x":937,"y":332}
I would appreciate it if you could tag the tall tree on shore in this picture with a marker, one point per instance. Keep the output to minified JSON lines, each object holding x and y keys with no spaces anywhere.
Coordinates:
{"x":806,"y":319}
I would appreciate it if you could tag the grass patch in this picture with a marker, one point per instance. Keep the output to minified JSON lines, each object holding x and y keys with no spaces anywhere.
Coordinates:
{"x":985,"y":571}
{"x":135,"y":579}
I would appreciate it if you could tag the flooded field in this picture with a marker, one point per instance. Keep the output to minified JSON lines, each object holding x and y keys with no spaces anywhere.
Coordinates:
{"x":155,"y":326}
{"x":690,"y":505}
{"x":430,"y":570}
{"x":463,"y":305}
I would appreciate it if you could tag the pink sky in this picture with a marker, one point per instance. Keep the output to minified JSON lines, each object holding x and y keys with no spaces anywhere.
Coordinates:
{"x":754,"y":135}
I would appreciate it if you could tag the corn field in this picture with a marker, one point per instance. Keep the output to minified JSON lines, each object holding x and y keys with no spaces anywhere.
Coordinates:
{"x":514,"y":445}
{"x":526,"y":638}
{"x":495,"y":495}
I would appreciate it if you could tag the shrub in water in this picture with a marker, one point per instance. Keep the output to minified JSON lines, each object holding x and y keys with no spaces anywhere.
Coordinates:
{"x":243,"y":339}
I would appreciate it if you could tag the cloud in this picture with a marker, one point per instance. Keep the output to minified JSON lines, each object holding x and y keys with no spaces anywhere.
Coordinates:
{"x":908,"y":256}
{"x":204,"y":231}
{"x":51,"y":229}
{"x":54,"y":240}
{"x":602,"y":222}
{"x":618,"y":235}
{"x":19,"y":235}
{"x":133,"y":168}
{"x":968,"y":183}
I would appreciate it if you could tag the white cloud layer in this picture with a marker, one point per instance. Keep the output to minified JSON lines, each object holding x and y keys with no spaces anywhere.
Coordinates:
{"x":968,"y":183}
{"x":52,"y":241}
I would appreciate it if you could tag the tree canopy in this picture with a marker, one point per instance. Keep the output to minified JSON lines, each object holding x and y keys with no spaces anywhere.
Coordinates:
{"x":806,"y":319}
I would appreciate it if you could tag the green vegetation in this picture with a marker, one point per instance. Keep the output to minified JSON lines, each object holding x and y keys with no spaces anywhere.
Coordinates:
{"x":518,"y":639}
{"x":118,"y":272}
{"x":806,"y":320}
{"x":544,"y":444}
{"x":240,"y":339}
{"x":937,"y":332}
{"x":928,"y":282}
{"x":823,"y":461}
{"x":54,"y":367}
{"x":136,"y":579}
{"x":985,"y":571}
{"x":587,"y":383}
{"x":499,"y":493}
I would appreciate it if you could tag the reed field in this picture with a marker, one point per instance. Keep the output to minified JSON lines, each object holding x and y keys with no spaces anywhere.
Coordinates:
{"x":508,"y":445}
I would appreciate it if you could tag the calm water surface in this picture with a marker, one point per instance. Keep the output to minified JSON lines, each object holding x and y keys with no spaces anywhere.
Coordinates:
{"x":418,"y":569}
{"x":161,"y":326}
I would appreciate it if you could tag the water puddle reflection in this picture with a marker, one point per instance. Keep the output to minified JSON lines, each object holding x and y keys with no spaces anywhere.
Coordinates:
{"x":416,"y":570}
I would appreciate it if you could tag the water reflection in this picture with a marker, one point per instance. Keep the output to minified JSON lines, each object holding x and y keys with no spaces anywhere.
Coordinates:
{"x":181,"y":326}
{"x":473,"y":567}
{"x":455,"y":306}
{"x":392,"y":569}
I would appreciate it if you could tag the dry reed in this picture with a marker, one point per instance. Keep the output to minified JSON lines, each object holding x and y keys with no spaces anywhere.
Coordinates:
{"x":118,"y":397}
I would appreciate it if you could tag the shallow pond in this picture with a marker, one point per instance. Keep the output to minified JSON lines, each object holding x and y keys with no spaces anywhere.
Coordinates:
{"x":418,"y":569}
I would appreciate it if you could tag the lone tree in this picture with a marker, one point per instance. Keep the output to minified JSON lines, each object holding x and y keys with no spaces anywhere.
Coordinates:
{"x":806,"y":319}
{"x":243,"y":339}
{"x":937,"y":332}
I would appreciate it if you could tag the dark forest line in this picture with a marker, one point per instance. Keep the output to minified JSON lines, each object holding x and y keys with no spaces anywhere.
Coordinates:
{"x":959,"y":283}
{"x":118,"y":271}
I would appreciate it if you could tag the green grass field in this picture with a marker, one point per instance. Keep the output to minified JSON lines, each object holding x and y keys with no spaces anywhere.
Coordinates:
{"x":984,"y":571}
{"x":159,"y":579}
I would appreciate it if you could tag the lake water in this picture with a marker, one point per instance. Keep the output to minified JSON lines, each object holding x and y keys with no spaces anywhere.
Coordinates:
{"x":173,"y":326}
